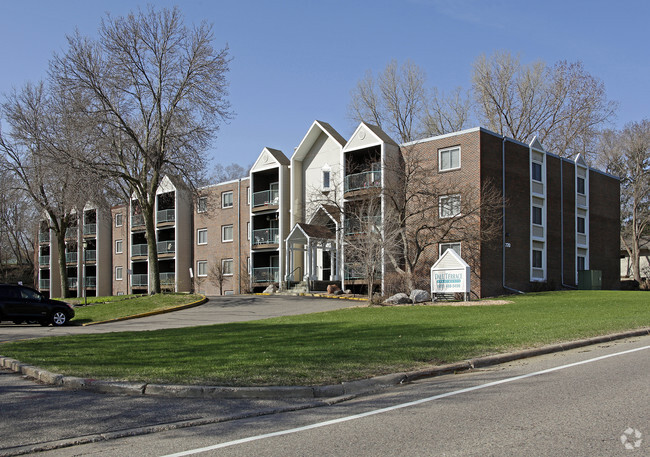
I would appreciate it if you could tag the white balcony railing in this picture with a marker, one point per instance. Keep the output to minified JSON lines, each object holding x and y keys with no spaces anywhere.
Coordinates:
{"x":166,"y":247}
{"x":266,"y":274}
{"x":266,"y":198}
{"x":139,"y":280}
{"x":44,"y":260}
{"x":166,"y":215}
{"x":71,"y":257}
{"x":364,"y":180}
{"x":266,"y":236}
{"x":44,"y":284}
{"x":90,"y":229}
{"x":90,"y":256}
{"x":138,"y":250}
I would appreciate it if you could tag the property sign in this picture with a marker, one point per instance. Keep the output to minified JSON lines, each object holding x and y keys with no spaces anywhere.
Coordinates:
{"x":450,"y":274}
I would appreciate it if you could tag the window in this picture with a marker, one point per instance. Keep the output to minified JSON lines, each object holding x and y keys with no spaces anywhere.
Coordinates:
{"x":581,"y":224}
{"x":118,"y":220}
{"x":449,"y":206}
{"x":202,"y":268}
{"x":248,"y":196}
{"x":536,"y":171}
{"x":118,"y":246}
{"x":326,"y":179}
{"x":537,"y":258}
{"x":248,"y":230}
{"x":581,"y":262}
{"x":226,"y":199}
{"x":118,"y":274}
{"x":202,"y":205}
{"x":449,"y":159}
{"x":226,"y":233}
{"x":537,"y":215}
{"x":229,"y":292}
{"x":226,"y":267}
{"x":445,"y":246}
{"x":580,"y":185}
{"x":202,"y":236}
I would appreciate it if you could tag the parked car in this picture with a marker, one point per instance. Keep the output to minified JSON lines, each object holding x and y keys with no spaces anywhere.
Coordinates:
{"x":24,"y":304}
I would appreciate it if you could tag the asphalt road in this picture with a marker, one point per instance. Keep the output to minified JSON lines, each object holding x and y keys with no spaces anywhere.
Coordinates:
{"x":218,"y":310}
{"x":584,"y":402}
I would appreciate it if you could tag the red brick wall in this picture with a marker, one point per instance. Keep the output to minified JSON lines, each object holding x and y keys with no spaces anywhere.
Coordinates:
{"x":604,"y":227}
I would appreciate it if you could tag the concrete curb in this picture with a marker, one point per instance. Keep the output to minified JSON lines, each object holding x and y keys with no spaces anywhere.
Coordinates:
{"x":308,"y":294}
{"x":151,"y":313}
{"x":330,"y":394}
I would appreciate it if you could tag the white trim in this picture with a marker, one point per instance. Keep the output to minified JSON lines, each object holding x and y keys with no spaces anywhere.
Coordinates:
{"x":121,"y":219}
{"x":449,"y":243}
{"x":198,"y":236}
{"x":449,"y":149}
{"x":198,"y":269}
{"x":121,"y":270}
{"x":440,"y":198}
{"x":232,"y":198}
{"x":583,"y":212}
{"x":232,"y":270}
{"x":538,"y":200}
{"x":121,"y":242}
{"x":223,"y":238}
{"x":198,"y":205}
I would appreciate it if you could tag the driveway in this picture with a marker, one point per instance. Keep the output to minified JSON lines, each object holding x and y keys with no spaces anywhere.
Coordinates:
{"x":218,"y":310}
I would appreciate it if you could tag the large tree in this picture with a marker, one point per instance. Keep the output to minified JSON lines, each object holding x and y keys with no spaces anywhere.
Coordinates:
{"x":156,"y":91}
{"x":627,"y":154}
{"x":562,"y":104}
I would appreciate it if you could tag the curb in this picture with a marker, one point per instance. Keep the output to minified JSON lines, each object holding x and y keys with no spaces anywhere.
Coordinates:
{"x":309,"y":294}
{"x":330,"y":394}
{"x":151,"y":313}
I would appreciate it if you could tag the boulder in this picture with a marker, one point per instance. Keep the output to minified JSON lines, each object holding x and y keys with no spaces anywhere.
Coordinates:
{"x":398,"y":299}
{"x":419,"y":296}
{"x":333,"y":289}
{"x":348,"y":292}
{"x":271,"y":289}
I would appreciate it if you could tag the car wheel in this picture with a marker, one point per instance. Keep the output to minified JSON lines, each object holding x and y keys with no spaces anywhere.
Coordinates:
{"x":59,"y":318}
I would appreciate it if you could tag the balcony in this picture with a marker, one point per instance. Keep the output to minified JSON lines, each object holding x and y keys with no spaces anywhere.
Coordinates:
{"x":266,"y":274}
{"x":72,"y":283}
{"x":137,"y":220}
{"x":91,"y":281}
{"x":165,"y":215}
{"x":138,"y":250}
{"x":90,"y":229}
{"x":139,"y":280}
{"x":71,"y":232}
{"x":90,"y":256}
{"x":44,"y":261}
{"x":44,"y":237}
{"x":44,"y":284}
{"x":360,"y":181}
{"x":167,"y":279}
{"x":365,"y":224}
{"x":266,"y":236}
{"x":71,"y":257}
{"x":166,"y":247}
{"x":266,"y":198}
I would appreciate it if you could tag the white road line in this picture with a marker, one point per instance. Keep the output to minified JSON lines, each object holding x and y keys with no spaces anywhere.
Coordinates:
{"x":396,"y":407}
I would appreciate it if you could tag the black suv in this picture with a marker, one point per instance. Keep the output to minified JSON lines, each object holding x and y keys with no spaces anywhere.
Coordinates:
{"x":20,"y":303}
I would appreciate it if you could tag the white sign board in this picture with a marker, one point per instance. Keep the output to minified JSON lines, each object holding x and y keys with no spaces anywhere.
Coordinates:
{"x":450,"y":274}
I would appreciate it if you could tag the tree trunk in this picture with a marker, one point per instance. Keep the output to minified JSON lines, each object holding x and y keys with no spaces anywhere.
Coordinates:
{"x":152,"y":249}
{"x":63,"y":268}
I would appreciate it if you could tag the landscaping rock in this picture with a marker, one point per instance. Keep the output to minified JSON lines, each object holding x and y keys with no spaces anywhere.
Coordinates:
{"x":398,"y":299}
{"x":271,"y":289}
{"x":348,"y":292}
{"x":419,"y":296}
{"x":333,"y":289}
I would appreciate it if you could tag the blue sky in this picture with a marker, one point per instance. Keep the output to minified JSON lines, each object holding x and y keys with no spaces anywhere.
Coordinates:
{"x":296,"y":61}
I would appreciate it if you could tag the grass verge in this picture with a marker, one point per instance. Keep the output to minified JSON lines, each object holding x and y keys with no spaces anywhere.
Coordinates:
{"x":337,"y":346}
{"x":120,"y":307}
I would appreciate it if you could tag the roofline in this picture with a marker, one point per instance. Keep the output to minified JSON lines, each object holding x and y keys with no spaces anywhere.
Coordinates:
{"x":232,"y":181}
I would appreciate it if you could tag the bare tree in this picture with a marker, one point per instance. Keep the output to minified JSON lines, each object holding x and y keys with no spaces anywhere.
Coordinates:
{"x":38,"y":128}
{"x":156,"y":91}
{"x":563,"y":104}
{"x":448,"y":113}
{"x":217,"y":276}
{"x":627,"y":154}
{"x":222,"y":173}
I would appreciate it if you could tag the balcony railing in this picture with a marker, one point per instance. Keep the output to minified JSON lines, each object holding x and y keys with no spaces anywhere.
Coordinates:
{"x":139,"y":280}
{"x":166,"y":247}
{"x":90,"y":229}
{"x":167,"y":279}
{"x":266,"y":236}
{"x":139,"y":250}
{"x":166,"y":215}
{"x":364,"y":180}
{"x":91,"y":281}
{"x":266,"y":198}
{"x":44,"y":260}
{"x":137,"y":220}
{"x":90,"y":256}
{"x":71,"y":232}
{"x":44,"y":284}
{"x":71,"y":257}
{"x":266,"y":274}
{"x":44,"y":237}
{"x":355,"y":272}
{"x":72,"y":283}
{"x":365,"y":224}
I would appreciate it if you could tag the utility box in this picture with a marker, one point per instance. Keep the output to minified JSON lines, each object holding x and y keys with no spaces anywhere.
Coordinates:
{"x":590,"y":279}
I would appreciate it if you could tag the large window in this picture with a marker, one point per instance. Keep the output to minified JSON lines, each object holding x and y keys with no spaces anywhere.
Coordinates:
{"x":537,"y":259}
{"x":202,"y":268}
{"x":581,"y":224}
{"x":118,"y":246}
{"x":226,"y":199}
{"x":227,"y":267}
{"x":202,"y":205}
{"x":537,"y":215}
{"x":536,"y":171}
{"x":449,"y":206}
{"x":226,"y":233}
{"x":443,"y":247}
{"x":449,"y":159}
{"x":202,"y":236}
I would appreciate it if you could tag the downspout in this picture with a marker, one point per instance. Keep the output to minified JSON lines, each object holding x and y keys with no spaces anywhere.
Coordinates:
{"x":503,"y":218}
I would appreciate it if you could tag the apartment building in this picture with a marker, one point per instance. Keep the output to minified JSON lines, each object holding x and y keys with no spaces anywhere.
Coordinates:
{"x":222,"y":238}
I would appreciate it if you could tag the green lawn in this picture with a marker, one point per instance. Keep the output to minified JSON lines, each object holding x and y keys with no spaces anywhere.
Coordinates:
{"x":336,"y":346}
{"x":106,"y":308}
